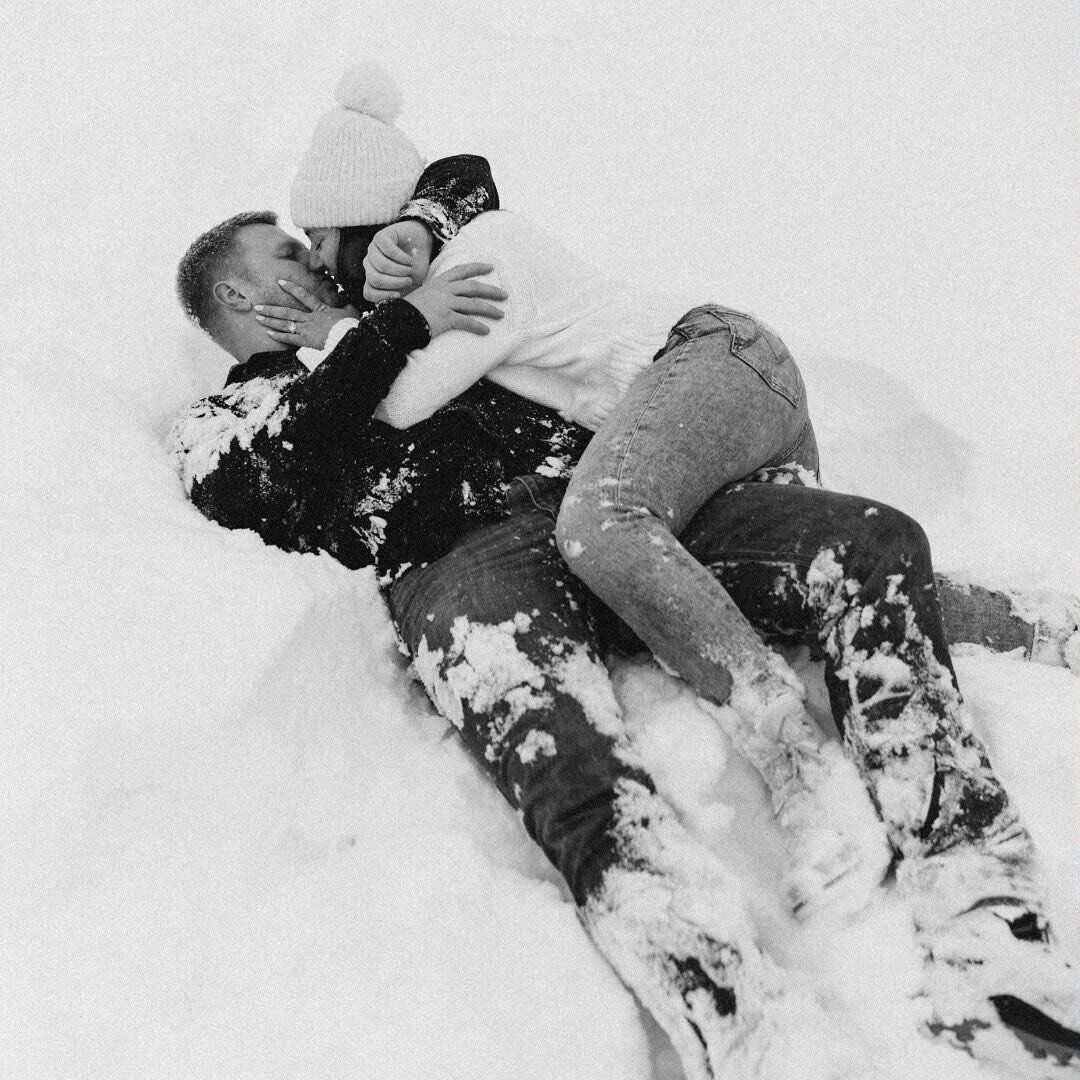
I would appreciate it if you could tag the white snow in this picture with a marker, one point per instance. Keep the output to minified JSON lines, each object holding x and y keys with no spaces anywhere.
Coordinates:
{"x":235,"y":840}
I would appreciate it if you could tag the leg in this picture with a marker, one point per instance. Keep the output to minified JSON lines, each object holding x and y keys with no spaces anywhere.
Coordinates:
{"x":1045,"y":625}
{"x":854,"y":578}
{"x":501,"y":636}
{"x":723,"y":399}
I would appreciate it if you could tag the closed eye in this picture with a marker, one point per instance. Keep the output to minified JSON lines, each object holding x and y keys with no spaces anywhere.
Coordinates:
{"x":290,"y":251}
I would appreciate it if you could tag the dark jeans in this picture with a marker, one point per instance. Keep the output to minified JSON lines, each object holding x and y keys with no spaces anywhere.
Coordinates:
{"x":509,"y":647}
{"x":506,"y":642}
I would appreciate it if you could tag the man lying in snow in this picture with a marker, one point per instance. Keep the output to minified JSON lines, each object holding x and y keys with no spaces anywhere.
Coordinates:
{"x":457,"y":516}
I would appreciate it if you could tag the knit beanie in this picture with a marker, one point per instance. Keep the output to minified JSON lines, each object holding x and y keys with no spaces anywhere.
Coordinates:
{"x":359,"y":169}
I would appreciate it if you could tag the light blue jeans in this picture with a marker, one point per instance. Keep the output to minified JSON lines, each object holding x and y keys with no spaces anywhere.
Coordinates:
{"x":722,"y":400}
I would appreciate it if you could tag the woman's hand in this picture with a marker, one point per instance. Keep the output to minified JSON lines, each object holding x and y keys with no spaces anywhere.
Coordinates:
{"x":449,"y":299}
{"x":397,"y":260}
{"x":306,"y":326}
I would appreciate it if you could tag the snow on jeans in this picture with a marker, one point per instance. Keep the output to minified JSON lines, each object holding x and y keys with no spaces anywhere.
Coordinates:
{"x":852,"y":578}
{"x":722,"y":399}
{"x":504,"y":638}
{"x":507,"y":643}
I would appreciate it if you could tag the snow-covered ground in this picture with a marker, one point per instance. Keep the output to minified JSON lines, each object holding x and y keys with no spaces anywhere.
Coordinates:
{"x":236,"y":841}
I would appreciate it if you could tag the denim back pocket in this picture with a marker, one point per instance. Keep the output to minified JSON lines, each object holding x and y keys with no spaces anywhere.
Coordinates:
{"x":751,"y":342}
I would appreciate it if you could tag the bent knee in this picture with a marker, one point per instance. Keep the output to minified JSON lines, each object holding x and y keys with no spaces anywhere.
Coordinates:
{"x":891,"y":531}
{"x":581,"y":524}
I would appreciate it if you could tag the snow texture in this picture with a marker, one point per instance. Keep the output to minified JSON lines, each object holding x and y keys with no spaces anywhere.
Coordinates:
{"x":236,"y":839}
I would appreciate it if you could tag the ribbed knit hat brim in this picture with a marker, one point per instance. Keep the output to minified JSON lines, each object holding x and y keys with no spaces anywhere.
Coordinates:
{"x":340,"y":202}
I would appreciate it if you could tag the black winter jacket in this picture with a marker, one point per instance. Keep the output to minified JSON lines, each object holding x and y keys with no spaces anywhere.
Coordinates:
{"x":297,"y":457}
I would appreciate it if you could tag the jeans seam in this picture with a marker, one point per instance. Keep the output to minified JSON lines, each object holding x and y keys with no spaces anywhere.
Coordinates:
{"x":792,"y":450}
{"x":725,"y":318}
{"x":637,"y":425}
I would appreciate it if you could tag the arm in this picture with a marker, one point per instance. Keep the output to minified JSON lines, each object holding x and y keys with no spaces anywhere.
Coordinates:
{"x":261,"y":454}
{"x":449,"y":194}
{"x":452,"y":362}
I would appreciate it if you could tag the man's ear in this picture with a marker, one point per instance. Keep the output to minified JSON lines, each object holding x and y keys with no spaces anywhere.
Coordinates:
{"x":230,"y":294}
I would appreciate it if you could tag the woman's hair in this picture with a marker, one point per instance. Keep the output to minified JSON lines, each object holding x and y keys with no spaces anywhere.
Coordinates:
{"x":352,"y":247}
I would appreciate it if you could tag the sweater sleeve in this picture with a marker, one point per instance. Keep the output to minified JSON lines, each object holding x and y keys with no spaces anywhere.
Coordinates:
{"x":258,"y":455}
{"x":453,"y":361}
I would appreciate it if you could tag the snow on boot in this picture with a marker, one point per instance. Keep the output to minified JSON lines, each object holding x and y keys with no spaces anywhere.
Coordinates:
{"x":837,"y":849}
{"x":706,"y":990}
{"x":724,"y":1005}
{"x":671,"y":921}
{"x":995,"y":982}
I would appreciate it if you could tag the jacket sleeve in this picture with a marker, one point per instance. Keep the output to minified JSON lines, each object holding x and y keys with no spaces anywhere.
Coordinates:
{"x":340,"y":395}
{"x":263,"y":453}
{"x":450,"y":193}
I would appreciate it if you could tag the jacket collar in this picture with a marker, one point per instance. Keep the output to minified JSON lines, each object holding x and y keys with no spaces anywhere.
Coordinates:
{"x":263,"y":365}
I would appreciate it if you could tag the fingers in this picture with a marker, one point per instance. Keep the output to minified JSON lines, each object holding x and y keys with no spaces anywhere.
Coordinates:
{"x":387,"y":277}
{"x":466,"y":306}
{"x":272,"y":323}
{"x":380,"y":268}
{"x":309,"y":301}
{"x":386,"y":244}
{"x":384,"y":280}
{"x":377,"y":296}
{"x":470,"y":326}
{"x":393,"y":284}
{"x":478,"y":288}
{"x":276,"y":312}
{"x":465,"y":270}
{"x":289,"y":339}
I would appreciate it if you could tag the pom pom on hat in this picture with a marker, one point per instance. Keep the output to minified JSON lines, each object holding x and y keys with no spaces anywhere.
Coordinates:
{"x":359,"y":168}
{"x":371,"y":90}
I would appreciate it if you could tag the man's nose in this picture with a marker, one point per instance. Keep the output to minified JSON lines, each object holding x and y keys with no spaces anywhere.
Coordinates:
{"x":314,"y":262}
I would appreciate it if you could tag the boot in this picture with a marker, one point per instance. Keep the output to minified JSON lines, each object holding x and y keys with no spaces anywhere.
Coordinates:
{"x":995,"y":982}
{"x":671,"y":921}
{"x":691,"y":960}
{"x":837,"y":856}
{"x":704,"y":983}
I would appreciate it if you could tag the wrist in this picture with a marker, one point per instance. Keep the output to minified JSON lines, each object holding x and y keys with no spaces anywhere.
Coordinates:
{"x":434,"y":217}
{"x":311,"y":357}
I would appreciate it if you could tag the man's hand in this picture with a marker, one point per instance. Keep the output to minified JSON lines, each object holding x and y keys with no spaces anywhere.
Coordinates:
{"x":305,"y":326}
{"x":397,"y":260}
{"x":449,"y":299}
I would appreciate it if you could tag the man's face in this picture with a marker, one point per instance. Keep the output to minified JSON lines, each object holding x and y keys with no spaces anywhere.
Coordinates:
{"x":270,"y":254}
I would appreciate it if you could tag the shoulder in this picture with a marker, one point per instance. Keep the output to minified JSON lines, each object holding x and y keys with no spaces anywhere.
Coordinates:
{"x":501,"y":237}
{"x":500,"y":225}
{"x":211,"y":425}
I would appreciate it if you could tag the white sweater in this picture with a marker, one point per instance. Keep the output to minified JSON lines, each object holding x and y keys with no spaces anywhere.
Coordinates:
{"x":570,"y":339}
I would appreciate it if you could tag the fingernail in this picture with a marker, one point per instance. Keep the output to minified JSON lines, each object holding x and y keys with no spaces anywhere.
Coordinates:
{"x":258,"y":307}
{"x":282,"y":281}
{"x":261,"y":318}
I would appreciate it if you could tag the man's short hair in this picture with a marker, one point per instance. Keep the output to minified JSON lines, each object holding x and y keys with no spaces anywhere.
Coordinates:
{"x":203,"y":264}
